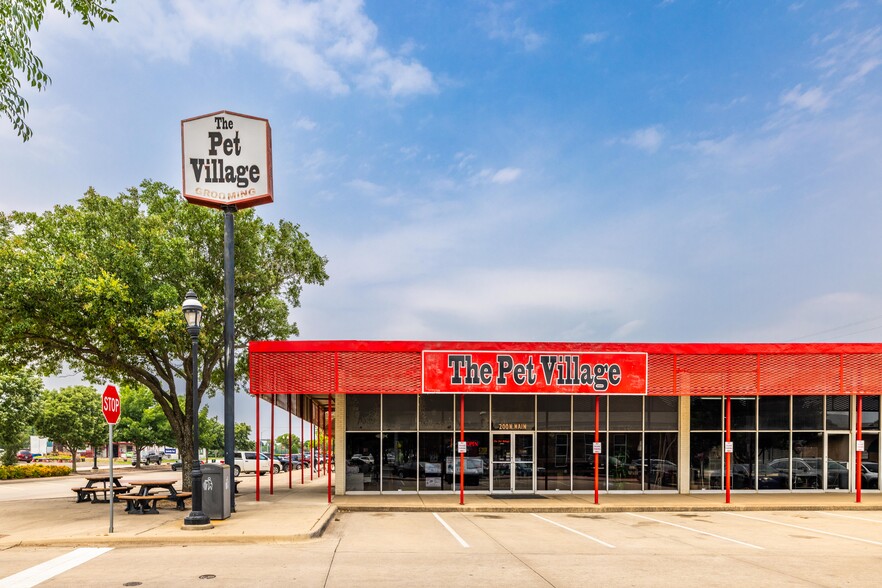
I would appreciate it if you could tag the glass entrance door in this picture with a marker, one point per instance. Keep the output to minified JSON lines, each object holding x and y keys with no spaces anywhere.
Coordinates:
{"x":513,"y":459}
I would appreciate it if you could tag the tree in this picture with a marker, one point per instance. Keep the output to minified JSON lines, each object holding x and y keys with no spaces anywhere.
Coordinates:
{"x":141,"y":420}
{"x":19,"y":393}
{"x":71,"y":417}
{"x":20,"y":18}
{"x":244,"y":442}
{"x":100,"y":286}
{"x":282,"y":441}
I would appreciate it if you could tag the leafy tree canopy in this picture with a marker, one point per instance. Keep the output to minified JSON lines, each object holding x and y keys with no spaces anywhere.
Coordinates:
{"x":72,"y":417}
{"x":282,"y":442}
{"x":19,"y":19}
{"x":141,"y":420}
{"x":100,"y":286}
{"x":19,"y":393}
{"x":244,"y":442}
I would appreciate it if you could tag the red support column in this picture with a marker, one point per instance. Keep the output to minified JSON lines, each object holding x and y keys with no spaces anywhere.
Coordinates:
{"x":302,"y":451}
{"x":257,"y":429}
{"x":328,"y":452}
{"x":461,"y":455}
{"x":728,"y":454}
{"x":311,"y":450}
{"x":272,"y":465}
{"x":290,"y":456}
{"x":596,"y":455}
{"x":324,"y":459}
{"x":858,"y":473}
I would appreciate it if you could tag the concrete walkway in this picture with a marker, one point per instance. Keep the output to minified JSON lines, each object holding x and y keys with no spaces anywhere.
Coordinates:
{"x":303,"y":513}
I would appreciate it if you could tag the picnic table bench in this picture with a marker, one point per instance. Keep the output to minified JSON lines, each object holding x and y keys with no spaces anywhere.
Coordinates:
{"x":90,"y":491}
{"x":145,"y":501}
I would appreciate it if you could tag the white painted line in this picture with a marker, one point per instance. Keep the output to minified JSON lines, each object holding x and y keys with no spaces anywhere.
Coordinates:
{"x":804,"y":528}
{"x":452,"y":532}
{"x":580,"y":533}
{"x":833,"y":514}
{"x":697,"y":531}
{"x":49,"y":569}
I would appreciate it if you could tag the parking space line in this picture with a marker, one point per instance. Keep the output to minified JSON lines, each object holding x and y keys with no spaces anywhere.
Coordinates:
{"x":833,"y":514}
{"x":49,"y":569}
{"x":452,"y":532}
{"x":604,"y":543}
{"x":804,"y":528}
{"x":696,"y":531}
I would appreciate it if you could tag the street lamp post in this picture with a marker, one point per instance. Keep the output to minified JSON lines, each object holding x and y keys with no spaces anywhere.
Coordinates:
{"x":193,"y":315}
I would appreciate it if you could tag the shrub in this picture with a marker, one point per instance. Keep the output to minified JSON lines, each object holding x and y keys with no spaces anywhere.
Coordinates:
{"x":19,"y":472}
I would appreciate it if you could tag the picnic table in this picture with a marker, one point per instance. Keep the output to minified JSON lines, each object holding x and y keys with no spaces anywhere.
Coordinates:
{"x":149,"y":493}
{"x":90,"y":491}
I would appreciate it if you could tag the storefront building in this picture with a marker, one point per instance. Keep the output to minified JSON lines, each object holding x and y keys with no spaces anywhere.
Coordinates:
{"x":530,"y":414}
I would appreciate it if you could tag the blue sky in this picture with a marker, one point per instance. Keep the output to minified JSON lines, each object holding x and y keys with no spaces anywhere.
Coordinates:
{"x":527,"y":171}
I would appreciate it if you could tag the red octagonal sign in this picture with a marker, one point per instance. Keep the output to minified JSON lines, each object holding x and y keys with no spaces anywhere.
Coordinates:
{"x":110,"y":405}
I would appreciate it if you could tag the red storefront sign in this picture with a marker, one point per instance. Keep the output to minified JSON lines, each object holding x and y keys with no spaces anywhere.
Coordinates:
{"x":534,"y":372}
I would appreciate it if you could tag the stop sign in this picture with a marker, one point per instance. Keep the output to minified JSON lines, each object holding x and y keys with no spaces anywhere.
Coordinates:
{"x":110,"y":405}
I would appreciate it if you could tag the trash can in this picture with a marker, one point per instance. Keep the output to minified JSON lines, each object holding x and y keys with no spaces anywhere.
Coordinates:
{"x":216,"y":491}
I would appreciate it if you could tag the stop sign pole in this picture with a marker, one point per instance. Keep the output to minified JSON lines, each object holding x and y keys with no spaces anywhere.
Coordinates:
{"x":110,"y":406}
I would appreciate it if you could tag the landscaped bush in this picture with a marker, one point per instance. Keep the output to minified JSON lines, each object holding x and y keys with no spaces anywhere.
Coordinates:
{"x":18,"y":472}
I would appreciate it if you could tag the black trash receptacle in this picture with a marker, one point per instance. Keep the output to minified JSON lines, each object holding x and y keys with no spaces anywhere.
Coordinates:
{"x":216,"y":491}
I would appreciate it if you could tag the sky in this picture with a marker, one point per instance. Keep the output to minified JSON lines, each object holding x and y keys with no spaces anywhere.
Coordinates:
{"x":675,"y":171}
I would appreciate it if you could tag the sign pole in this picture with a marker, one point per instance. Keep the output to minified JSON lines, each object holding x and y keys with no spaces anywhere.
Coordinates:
{"x":596,"y":453}
{"x":728,"y":448}
{"x":461,"y":449}
{"x":229,"y":350}
{"x":858,"y":472}
{"x":110,"y":453}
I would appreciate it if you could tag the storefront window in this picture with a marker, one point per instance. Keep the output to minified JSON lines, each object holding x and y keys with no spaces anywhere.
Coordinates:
{"x":363,"y":461}
{"x":436,"y":412}
{"x":773,"y":456}
{"x":583,"y":461}
{"x":743,"y":460}
{"x":553,"y":461}
{"x":435,"y":448}
{"x":626,"y":413}
{"x":514,"y":412}
{"x":662,"y":413}
{"x":743,"y":413}
{"x":774,"y":413}
{"x":808,"y":413}
{"x":870,"y":462}
{"x":838,"y":413}
{"x":870,"y":413}
{"x":660,"y":461}
{"x":400,"y":468}
{"x":477,"y":412}
{"x":624,"y":461}
{"x":553,"y":412}
{"x":583,"y":412}
{"x":363,"y":412}
{"x":706,"y":413}
{"x":399,"y":412}
{"x":706,"y":461}
{"x":477,"y":470}
{"x":806,"y":465}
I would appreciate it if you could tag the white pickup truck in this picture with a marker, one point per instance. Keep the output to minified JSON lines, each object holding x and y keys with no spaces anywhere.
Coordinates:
{"x":246,"y":461}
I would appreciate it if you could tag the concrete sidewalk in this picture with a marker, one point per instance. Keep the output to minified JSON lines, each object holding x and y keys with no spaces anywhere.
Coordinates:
{"x":303,"y":513}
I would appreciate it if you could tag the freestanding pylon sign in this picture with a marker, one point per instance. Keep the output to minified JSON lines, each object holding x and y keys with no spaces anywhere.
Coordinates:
{"x":227,"y":164}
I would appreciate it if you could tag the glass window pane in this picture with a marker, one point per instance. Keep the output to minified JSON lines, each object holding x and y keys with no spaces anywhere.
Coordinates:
{"x":477,"y":470}
{"x":583,"y":461}
{"x":514,"y":412}
{"x":400,"y":467}
{"x":583,"y":413}
{"x":436,"y":412}
{"x":773,"y":453}
{"x":870,"y":462}
{"x":477,"y":412}
{"x":435,"y":448}
{"x":808,"y":413}
{"x":662,"y":413}
{"x":838,"y":455}
{"x":624,"y":461}
{"x":706,"y":461}
{"x":626,"y":413}
{"x":553,"y":461}
{"x":362,"y":461}
{"x":399,"y":412}
{"x":743,"y":460}
{"x":706,"y":413}
{"x":774,"y":413}
{"x":660,"y":462}
{"x":362,"y":412}
{"x":806,"y":465}
{"x":743,"y":413}
{"x":838,"y":413}
{"x":870,"y":413}
{"x":553,"y":412}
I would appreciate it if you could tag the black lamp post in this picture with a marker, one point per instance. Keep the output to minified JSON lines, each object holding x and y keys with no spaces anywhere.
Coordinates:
{"x":193,"y":315}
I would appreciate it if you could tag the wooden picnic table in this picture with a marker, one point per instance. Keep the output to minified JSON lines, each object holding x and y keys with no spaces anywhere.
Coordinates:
{"x":90,"y":491}
{"x":150,"y":492}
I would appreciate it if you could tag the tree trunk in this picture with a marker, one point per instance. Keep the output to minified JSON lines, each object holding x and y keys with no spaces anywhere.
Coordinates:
{"x":137,"y":460}
{"x":185,"y":447}
{"x":73,"y":459}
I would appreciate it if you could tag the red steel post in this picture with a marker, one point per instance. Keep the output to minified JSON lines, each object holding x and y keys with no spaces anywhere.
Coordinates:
{"x":596,"y":455}
{"x":290,"y":457}
{"x":302,"y":451}
{"x":257,"y":450}
{"x":311,"y":447}
{"x":461,"y":455}
{"x":328,"y":452}
{"x":272,"y":465}
{"x":858,"y":473}
{"x":728,"y":454}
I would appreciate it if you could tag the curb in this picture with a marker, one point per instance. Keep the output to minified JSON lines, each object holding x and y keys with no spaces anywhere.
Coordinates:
{"x":609,"y":509}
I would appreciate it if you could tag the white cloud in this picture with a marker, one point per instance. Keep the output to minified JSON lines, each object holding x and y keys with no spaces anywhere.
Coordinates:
{"x":506,"y":175}
{"x":501,"y":24}
{"x":648,"y":139}
{"x":812,"y":99}
{"x":593,"y":38}
{"x":305,"y":123}
{"x":329,"y":45}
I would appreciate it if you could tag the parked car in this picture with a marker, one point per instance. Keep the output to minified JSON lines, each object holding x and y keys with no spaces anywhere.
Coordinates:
{"x":151,"y":457}
{"x":179,"y":465}
{"x":247,"y":461}
{"x":25,"y":456}
{"x":869,"y":475}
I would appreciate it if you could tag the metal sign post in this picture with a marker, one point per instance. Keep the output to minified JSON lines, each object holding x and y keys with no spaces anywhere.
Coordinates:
{"x":112,"y":408}
{"x":110,"y":453}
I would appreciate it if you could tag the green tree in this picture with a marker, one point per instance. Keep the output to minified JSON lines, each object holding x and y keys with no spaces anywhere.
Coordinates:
{"x":19,"y":394}
{"x":141,"y":420}
{"x":71,"y":417}
{"x":282,"y":442}
{"x":100,"y":286}
{"x":20,"y":18}
{"x":244,"y":442}
{"x":211,"y":432}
